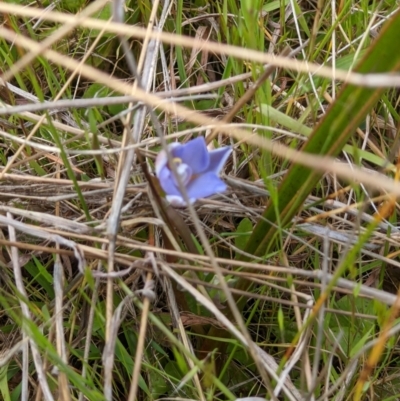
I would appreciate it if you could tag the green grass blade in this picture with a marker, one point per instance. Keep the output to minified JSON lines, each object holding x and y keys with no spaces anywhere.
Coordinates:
{"x":298,"y":127}
{"x":329,"y":138}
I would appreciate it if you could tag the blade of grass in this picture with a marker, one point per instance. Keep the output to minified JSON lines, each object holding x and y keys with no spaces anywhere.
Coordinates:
{"x":297,"y":126}
{"x":329,"y":138}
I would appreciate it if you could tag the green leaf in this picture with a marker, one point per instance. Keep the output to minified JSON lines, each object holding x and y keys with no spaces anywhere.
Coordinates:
{"x":159,"y":384}
{"x":355,"y":332}
{"x":125,"y":358}
{"x":180,"y":361}
{"x":41,"y":276}
{"x":96,"y":90}
{"x":274,"y":5}
{"x":115,"y":109}
{"x":361,"y":342}
{"x":16,"y":393}
{"x":72,"y":6}
{"x":5,"y":392}
{"x":243,"y":233}
{"x":172,"y":370}
{"x":281,"y":319}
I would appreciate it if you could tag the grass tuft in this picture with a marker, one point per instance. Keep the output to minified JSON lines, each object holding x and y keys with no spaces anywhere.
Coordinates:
{"x":285,"y":287}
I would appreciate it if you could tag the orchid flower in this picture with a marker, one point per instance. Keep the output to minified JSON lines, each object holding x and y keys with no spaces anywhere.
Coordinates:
{"x":198,"y":170}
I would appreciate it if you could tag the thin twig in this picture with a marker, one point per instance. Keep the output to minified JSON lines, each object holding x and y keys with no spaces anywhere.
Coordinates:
{"x":27,"y":316}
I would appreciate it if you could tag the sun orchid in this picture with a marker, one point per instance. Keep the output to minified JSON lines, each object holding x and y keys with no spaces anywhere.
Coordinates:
{"x":197,"y":167}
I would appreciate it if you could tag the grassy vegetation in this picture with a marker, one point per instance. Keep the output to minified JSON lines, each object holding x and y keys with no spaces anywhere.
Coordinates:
{"x":285,"y":287}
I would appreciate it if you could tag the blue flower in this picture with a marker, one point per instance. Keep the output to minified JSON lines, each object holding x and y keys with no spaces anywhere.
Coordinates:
{"x":197,"y":167}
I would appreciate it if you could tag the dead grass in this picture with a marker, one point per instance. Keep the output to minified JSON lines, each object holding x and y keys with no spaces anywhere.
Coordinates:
{"x":106,"y":293}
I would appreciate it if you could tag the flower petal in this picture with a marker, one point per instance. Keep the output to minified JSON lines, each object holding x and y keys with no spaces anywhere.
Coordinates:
{"x":218,"y":158}
{"x":167,"y":182}
{"x":161,"y":162}
{"x":195,"y":154}
{"x":205,"y":185}
{"x":185,"y":173}
{"x":162,"y":159}
{"x":177,"y":201}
